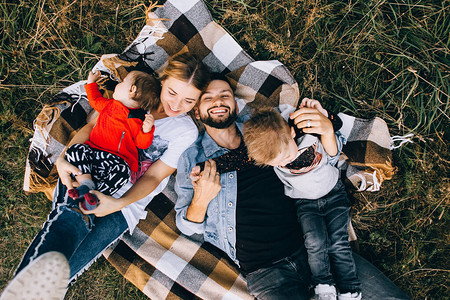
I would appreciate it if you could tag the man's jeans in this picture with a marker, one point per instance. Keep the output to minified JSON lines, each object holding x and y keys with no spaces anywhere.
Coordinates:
{"x":67,"y":232}
{"x":286,"y":279}
{"x":324,"y":223}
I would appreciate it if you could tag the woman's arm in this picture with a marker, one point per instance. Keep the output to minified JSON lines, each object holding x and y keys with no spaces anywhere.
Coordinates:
{"x":142,"y":188}
{"x":64,"y":168}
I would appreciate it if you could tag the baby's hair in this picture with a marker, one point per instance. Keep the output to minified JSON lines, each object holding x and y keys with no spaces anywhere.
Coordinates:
{"x":148,"y":90}
{"x":187,"y":68}
{"x":265,"y":134}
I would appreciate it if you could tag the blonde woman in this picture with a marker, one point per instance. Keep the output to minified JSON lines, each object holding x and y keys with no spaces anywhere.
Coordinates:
{"x":72,"y":238}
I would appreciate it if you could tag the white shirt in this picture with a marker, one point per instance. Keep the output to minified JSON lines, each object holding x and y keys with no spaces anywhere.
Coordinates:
{"x":172,"y":136}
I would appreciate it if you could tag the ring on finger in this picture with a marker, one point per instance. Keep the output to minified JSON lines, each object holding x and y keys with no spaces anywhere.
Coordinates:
{"x":308,"y":124}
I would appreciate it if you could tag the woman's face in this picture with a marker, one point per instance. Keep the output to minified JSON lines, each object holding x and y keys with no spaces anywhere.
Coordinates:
{"x":178,"y":96}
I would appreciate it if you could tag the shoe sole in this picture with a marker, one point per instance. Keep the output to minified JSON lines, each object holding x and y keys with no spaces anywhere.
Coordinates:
{"x":44,"y":278}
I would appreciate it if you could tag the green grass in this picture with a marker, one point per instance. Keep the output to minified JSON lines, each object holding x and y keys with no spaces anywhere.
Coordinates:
{"x":384,"y":58}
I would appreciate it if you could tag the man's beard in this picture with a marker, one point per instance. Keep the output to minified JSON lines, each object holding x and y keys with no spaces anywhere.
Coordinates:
{"x":219,"y":124}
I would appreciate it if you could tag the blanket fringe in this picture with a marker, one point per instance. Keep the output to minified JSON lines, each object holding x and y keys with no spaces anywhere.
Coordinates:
{"x":38,"y":183}
{"x":116,"y":65}
{"x":402,"y":139}
{"x":374,"y":175}
{"x":148,"y":11}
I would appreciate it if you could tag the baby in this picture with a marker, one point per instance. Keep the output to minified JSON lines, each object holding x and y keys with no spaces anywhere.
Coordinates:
{"x":305,"y":163}
{"x":122,"y":126}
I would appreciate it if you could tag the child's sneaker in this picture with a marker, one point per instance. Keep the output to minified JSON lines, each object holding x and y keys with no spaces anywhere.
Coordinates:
{"x":350,"y":296}
{"x":79,"y":192}
{"x":44,"y":278}
{"x":73,"y":193}
{"x":324,"y":292}
{"x":90,"y":202}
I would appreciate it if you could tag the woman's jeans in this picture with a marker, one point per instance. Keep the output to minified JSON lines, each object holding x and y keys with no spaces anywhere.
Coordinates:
{"x":66,"y":231}
{"x":324,"y":224}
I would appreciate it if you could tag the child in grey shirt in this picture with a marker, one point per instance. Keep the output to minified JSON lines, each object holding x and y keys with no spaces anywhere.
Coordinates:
{"x":305,"y":163}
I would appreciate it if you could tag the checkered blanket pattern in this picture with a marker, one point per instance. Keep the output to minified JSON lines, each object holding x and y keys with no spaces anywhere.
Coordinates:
{"x":367,"y":155}
{"x":181,"y":26}
{"x":166,"y":265}
{"x":156,"y":258}
{"x":53,"y":128}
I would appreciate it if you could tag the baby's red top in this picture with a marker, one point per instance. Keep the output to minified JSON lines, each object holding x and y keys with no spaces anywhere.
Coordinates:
{"x":118,"y":129}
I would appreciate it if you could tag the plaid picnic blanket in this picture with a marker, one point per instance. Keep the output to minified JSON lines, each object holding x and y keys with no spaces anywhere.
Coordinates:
{"x":159,"y":260}
{"x":165,"y":264}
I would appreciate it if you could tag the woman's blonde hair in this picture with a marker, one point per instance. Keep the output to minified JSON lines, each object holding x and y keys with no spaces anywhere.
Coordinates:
{"x":265,"y":134}
{"x":187,"y":68}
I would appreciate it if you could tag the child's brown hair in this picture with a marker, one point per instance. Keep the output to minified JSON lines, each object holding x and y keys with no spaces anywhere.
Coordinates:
{"x":265,"y":133}
{"x":148,"y":90}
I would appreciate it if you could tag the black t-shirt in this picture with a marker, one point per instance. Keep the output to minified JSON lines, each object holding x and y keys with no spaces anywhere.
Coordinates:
{"x":266,"y":224}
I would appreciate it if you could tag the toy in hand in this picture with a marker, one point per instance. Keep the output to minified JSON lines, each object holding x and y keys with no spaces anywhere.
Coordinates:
{"x":88,"y":201}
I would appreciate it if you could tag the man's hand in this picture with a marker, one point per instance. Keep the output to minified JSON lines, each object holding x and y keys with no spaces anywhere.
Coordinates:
{"x":148,"y":123}
{"x":94,"y":76}
{"x":65,"y":169}
{"x":206,"y":187}
{"x":106,"y":205}
{"x":311,"y":103}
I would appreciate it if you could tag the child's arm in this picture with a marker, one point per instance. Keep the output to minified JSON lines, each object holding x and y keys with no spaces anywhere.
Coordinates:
{"x":93,"y":76}
{"x":96,"y":99}
{"x":147,"y":125}
{"x":329,"y":143}
{"x":144,"y":133}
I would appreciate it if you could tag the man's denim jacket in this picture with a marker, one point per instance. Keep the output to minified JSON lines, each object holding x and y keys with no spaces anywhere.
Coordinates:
{"x":219,"y":226}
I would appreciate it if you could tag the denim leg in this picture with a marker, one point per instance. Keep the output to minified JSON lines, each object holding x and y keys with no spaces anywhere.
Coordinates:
{"x":316,"y":240}
{"x":67,"y":232}
{"x":284,"y":279}
{"x":63,"y":231}
{"x":337,"y":217}
{"x":106,"y":231}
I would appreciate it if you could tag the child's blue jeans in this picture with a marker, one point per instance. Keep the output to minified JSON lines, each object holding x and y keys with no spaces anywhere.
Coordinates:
{"x":324,"y":222}
{"x":66,"y":231}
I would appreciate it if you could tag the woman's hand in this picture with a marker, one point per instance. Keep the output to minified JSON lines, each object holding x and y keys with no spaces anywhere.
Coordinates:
{"x":311,"y":103}
{"x":106,"y":205}
{"x":65,"y":170}
{"x":311,"y":120}
{"x":195,"y":175}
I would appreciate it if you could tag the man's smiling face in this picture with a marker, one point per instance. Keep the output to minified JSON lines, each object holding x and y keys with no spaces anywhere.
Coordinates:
{"x":217,"y":107}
